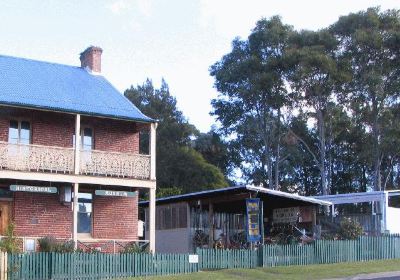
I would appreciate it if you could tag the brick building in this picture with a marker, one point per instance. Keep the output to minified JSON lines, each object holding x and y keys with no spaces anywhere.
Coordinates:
{"x":53,"y":184}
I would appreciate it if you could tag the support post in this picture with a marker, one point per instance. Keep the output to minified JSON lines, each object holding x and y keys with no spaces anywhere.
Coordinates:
{"x":152,"y":149}
{"x":210,"y":225}
{"x":152,"y":222}
{"x":384,"y":206}
{"x":152,"y":196}
{"x":76,"y":185}
{"x":75,"y":216}
{"x":77,"y":144}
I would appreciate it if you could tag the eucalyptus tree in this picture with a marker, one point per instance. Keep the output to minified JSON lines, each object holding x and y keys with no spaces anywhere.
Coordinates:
{"x":370,"y":41}
{"x":252,"y":94}
{"x":315,"y":75}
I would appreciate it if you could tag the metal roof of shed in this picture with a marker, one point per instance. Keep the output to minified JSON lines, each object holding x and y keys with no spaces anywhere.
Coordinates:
{"x":191,"y":196}
{"x":49,"y":86}
{"x":350,"y":198}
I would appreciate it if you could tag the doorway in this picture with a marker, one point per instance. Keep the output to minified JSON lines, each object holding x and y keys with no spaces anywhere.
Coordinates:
{"x":5,"y":215}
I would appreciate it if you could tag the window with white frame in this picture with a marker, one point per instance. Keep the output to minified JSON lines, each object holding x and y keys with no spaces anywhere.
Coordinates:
{"x":19,"y":132}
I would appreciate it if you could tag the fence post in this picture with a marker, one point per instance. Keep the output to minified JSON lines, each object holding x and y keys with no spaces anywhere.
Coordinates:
{"x":3,"y":266}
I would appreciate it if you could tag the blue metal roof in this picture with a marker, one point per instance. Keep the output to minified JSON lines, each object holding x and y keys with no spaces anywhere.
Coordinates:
{"x":56,"y":87}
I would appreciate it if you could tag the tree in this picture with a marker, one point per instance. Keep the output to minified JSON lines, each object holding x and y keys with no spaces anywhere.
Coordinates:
{"x":178,"y":164}
{"x":314,"y":76}
{"x":215,"y":151}
{"x":250,"y":80}
{"x":370,"y":41}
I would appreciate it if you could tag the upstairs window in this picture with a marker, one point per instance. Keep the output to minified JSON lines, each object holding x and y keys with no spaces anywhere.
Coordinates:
{"x":86,"y":139}
{"x":19,"y":132}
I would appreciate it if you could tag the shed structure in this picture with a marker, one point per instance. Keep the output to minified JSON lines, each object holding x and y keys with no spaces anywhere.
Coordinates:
{"x":382,"y":216}
{"x":205,"y":219}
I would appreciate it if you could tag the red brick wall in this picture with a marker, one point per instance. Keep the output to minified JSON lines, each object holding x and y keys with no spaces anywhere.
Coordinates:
{"x":113,"y":135}
{"x":57,"y":129}
{"x":39,"y":214}
{"x":52,"y":129}
{"x":115,"y":217}
{"x":4,"y":124}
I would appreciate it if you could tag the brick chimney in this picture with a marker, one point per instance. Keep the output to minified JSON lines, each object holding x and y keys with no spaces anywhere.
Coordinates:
{"x":91,"y":59}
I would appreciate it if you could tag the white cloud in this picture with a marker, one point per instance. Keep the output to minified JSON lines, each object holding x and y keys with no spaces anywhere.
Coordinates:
{"x":143,"y":7}
{"x":118,"y":6}
{"x":236,"y":18}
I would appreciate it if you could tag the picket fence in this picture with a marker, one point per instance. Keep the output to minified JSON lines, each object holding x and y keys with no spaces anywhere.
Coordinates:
{"x":95,"y":265}
{"x":319,"y":252}
{"x":107,"y":266}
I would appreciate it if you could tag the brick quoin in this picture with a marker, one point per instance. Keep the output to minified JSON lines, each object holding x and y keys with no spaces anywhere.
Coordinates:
{"x":57,"y":129}
{"x":115,"y":217}
{"x":39,"y":214}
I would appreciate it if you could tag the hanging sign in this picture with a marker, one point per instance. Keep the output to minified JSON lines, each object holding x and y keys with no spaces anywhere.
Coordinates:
{"x":115,"y":193}
{"x":253,"y":219}
{"x":23,"y":188}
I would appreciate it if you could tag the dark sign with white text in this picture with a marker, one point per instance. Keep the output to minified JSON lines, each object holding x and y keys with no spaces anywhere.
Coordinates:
{"x":115,"y":193}
{"x":23,"y":188}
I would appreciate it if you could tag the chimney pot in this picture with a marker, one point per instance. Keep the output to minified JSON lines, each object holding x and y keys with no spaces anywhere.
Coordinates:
{"x":91,"y":59}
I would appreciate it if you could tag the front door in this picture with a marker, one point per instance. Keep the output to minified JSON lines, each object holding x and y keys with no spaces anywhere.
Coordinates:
{"x":5,"y":216}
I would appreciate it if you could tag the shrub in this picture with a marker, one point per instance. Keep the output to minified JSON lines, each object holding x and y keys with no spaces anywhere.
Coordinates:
{"x":134,"y":248}
{"x":50,"y":244}
{"x":350,"y":229}
{"x":9,"y":242}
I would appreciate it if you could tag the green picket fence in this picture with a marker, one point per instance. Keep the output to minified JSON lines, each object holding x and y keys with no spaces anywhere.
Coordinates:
{"x":108,"y":266}
{"x":320,"y":252}
{"x":219,"y":259}
{"x":95,"y":266}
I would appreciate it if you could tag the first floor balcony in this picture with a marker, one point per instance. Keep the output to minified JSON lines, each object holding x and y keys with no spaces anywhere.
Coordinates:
{"x":49,"y":159}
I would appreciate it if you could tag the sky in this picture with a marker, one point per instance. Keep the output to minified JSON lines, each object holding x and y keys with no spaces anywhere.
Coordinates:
{"x":177,"y":40}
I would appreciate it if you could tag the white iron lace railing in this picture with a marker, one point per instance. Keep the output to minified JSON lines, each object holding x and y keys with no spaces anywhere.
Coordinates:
{"x":113,"y":164}
{"x":36,"y":158}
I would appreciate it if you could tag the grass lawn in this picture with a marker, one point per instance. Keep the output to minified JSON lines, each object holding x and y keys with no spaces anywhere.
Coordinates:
{"x":292,"y":273}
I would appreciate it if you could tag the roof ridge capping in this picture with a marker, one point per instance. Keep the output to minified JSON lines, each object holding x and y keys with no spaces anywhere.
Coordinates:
{"x":38,"y":61}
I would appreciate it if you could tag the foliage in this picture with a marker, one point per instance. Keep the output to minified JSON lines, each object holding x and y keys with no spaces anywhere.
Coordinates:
{"x":313,"y":112}
{"x":369,"y":42}
{"x":51,"y":244}
{"x":178,"y":164}
{"x":250,"y":80}
{"x":214,"y":150}
{"x":9,"y":242}
{"x":134,"y":248}
{"x":164,"y":192}
{"x":350,"y":229}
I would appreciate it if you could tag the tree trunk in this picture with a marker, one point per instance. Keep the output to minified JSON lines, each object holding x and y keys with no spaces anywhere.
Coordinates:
{"x":322,"y":152}
{"x":376,"y":149}
{"x":277,"y":152}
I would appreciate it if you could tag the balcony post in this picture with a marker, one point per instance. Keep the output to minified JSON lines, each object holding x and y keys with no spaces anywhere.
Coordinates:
{"x":76,"y":185}
{"x":77,"y":144}
{"x":152,"y":196}
{"x":152,"y":221}
{"x":152,"y":149}
{"x":75,"y":216}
